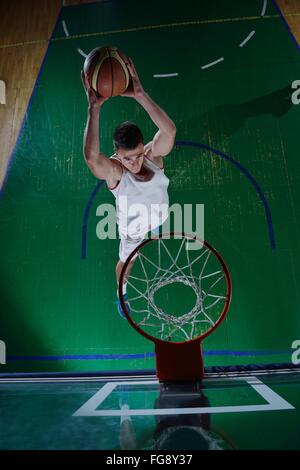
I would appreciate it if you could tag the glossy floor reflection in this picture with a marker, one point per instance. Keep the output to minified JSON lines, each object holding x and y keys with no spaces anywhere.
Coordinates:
{"x":223,"y":412}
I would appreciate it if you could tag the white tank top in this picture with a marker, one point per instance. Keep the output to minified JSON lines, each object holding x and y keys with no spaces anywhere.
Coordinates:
{"x":141,"y":205}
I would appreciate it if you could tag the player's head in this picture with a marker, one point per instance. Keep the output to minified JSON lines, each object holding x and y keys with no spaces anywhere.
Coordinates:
{"x":129,"y":146}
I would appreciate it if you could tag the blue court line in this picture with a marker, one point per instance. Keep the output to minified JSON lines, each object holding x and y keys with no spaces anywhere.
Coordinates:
{"x":248,"y":176}
{"x":13,"y":154}
{"x":146,"y":355}
{"x":286,"y":24}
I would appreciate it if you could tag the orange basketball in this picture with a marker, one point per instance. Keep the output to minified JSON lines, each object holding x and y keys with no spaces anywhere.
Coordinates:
{"x":106,"y":71}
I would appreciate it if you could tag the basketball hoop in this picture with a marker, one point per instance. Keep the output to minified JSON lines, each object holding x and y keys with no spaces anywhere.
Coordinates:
{"x":165,"y":262}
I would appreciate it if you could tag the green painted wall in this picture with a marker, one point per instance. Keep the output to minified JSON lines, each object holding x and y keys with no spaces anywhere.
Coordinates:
{"x":56,"y":304}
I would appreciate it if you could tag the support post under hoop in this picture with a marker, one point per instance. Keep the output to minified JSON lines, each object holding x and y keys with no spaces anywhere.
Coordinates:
{"x":179,"y":361}
{"x":176,"y":333}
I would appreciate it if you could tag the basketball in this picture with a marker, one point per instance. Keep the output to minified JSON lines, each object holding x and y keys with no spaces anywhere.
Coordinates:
{"x":106,"y":71}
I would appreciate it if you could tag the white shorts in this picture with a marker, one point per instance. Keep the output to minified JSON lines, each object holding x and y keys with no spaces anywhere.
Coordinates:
{"x":127,"y":245}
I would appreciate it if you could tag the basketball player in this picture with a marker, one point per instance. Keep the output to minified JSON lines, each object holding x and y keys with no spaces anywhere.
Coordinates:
{"x":134,"y":174}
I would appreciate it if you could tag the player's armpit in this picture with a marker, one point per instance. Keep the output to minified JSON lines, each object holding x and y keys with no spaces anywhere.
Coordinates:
{"x":103,"y":168}
{"x":163,"y":144}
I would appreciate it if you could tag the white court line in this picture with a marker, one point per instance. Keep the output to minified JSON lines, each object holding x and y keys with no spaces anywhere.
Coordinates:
{"x":274,"y":402}
{"x":55,"y":380}
{"x":165,"y":75}
{"x":99,"y":397}
{"x":210,"y":376}
{"x":277,"y":402}
{"x":212,"y":63}
{"x":247,"y":38}
{"x":65,"y":28}
{"x":118,"y":379}
{"x":93,"y":403}
{"x":264,"y":8}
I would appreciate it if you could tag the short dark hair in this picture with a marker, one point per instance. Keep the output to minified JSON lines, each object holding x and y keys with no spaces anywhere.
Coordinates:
{"x":127,"y":136}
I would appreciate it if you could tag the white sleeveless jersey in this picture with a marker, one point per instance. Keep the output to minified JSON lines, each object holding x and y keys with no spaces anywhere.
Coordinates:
{"x":141,"y":205}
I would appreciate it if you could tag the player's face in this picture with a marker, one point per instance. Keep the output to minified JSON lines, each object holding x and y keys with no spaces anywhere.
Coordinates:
{"x":132,"y":159}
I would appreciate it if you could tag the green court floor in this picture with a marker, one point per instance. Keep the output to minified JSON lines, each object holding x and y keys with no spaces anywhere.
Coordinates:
{"x":230,"y":67}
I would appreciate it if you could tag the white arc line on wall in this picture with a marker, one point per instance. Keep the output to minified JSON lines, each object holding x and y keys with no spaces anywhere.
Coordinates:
{"x":165,"y":75}
{"x":212,"y":63}
{"x":65,"y":28}
{"x":264,"y":8}
{"x":247,"y":38}
{"x":81,"y":52}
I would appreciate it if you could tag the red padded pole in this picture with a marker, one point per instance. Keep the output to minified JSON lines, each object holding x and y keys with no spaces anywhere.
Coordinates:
{"x":179,"y":361}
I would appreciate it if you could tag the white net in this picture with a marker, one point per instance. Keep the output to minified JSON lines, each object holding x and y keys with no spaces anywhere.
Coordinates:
{"x":175,"y":293}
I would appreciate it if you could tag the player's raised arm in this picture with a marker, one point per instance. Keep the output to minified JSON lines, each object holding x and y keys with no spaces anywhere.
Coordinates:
{"x":97,"y":161}
{"x":164,"y":139}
